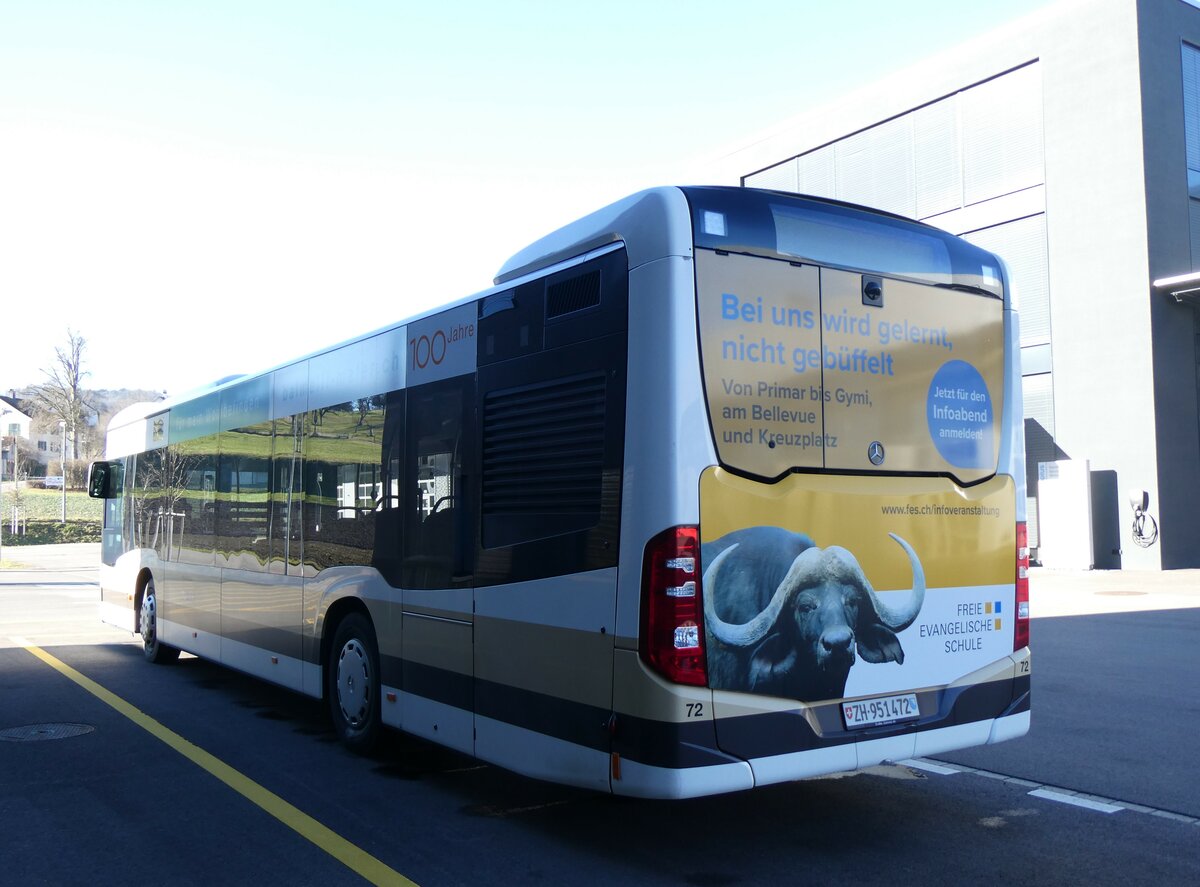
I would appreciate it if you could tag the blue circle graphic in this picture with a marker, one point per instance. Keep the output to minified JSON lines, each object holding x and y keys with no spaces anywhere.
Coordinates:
{"x":959,"y":412}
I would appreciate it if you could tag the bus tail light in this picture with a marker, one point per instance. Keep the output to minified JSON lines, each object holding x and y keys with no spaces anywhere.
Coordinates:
{"x":672,"y":630}
{"x":1021,"y":635}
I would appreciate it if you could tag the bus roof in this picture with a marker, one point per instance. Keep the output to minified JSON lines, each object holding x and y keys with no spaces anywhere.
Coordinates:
{"x":655,"y":223}
{"x":659,"y":222}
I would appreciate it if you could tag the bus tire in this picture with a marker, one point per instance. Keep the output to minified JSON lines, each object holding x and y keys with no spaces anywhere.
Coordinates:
{"x":353,"y":683}
{"x":152,"y":648}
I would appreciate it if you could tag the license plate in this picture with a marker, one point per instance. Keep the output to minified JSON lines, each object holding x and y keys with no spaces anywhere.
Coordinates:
{"x":884,"y":710}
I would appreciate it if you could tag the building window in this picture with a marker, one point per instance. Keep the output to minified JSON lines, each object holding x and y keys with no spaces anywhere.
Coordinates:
{"x":1191,"y":129}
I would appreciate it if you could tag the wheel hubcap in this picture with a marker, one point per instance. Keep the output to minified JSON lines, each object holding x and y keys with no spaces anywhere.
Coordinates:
{"x":354,"y":683}
{"x":148,"y":626}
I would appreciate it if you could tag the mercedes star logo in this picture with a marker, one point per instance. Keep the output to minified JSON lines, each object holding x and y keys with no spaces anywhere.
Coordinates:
{"x":875,"y":453}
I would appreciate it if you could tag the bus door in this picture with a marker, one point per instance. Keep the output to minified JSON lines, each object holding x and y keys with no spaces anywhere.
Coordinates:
{"x":283,"y":616}
{"x":437,"y":563}
{"x":249,"y":602}
{"x":191,"y":615}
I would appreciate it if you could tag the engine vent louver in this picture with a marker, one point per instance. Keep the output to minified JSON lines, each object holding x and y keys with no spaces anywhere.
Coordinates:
{"x":543,"y":449}
{"x":574,"y":294}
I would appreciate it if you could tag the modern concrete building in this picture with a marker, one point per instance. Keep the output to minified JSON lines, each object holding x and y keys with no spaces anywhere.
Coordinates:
{"x":1069,"y":143}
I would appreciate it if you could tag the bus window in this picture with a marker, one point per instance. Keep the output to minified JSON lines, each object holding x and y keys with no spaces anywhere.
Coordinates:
{"x":243,"y":513}
{"x":114,"y":515}
{"x":287,"y":494}
{"x":438,"y":538}
{"x":342,"y":482}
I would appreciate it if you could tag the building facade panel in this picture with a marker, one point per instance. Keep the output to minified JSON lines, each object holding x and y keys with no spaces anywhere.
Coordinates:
{"x":1069,"y":143}
{"x":937,"y":158}
{"x":1022,"y":243}
{"x":1002,"y":135}
{"x":1164,"y":30}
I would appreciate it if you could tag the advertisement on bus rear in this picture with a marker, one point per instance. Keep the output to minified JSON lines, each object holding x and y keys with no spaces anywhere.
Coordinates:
{"x":803,"y":370}
{"x":824,"y":587}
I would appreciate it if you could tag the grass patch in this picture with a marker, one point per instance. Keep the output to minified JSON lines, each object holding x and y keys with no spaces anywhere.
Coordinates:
{"x":38,"y":505}
{"x":55,"y":533}
{"x":41,"y":517}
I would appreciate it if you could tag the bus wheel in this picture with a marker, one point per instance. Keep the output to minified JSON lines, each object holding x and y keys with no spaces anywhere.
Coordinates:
{"x":154,"y":650}
{"x":353,"y":684}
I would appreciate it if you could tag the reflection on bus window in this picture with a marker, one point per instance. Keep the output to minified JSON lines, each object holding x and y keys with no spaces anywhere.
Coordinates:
{"x":344,"y":446}
{"x":437,"y":545}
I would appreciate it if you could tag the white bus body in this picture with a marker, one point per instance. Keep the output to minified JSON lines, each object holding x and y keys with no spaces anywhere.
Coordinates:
{"x":715,"y":488}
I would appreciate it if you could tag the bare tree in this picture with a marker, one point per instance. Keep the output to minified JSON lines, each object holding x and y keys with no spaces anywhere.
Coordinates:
{"x":25,"y":457}
{"x":61,"y":397}
{"x":21,"y":457}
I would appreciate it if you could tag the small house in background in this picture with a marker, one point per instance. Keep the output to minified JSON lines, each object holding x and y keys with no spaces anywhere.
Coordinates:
{"x":15,"y":424}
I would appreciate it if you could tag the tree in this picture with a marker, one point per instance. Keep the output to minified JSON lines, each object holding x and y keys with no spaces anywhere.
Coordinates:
{"x":61,"y":397}
{"x":25,"y":458}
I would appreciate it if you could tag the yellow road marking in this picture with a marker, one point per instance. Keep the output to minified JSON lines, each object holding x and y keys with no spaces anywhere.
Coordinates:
{"x":354,"y":858}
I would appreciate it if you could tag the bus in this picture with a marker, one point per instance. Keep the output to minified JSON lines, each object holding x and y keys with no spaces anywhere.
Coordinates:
{"x":712,"y":489}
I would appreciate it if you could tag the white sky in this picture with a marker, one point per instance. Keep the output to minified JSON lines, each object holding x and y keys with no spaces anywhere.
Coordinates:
{"x":207,"y":188}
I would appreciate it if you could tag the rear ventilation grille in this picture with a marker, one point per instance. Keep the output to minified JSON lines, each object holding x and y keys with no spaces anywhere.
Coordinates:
{"x":543,"y":448}
{"x":575,"y":294}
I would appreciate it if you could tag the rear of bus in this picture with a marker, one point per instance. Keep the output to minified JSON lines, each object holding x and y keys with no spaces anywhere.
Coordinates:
{"x":854,"y":590}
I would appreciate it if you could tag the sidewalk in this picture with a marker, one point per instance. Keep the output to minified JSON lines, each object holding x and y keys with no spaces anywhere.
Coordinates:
{"x":1051,"y":592}
{"x":49,"y":596}
{"x":68,"y":557}
{"x":1083,"y":592}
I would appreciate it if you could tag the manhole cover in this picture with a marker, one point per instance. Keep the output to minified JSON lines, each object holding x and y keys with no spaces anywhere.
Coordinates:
{"x":39,"y":732}
{"x":1122,"y":593}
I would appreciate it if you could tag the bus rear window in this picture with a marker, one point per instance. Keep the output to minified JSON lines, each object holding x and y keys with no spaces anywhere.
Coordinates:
{"x":845,"y":242}
{"x":810,"y":367}
{"x":839,"y":235}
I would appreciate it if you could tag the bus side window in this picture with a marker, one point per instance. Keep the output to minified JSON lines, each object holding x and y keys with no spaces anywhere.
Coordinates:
{"x":438,"y":532}
{"x":113,"y":535}
{"x":342,"y":487}
{"x":147,"y":497}
{"x":243,"y":517}
{"x":390,"y":517}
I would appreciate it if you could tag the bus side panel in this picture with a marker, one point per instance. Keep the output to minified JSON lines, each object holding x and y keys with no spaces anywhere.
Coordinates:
{"x":261,"y":625}
{"x":668,"y":442}
{"x":189,"y":589}
{"x":436,"y":671}
{"x":118,"y":587}
{"x":543,"y":677}
{"x":551,"y":408}
{"x":664,"y":742}
{"x":1012,"y":444}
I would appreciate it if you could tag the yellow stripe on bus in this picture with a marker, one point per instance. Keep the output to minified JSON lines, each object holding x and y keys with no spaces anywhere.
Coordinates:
{"x":351,"y":856}
{"x":963,"y":536}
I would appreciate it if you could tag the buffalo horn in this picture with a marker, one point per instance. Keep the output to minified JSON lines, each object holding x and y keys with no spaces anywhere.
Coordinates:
{"x":898,"y":618}
{"x":805,"y":571}
{"x":812,"y":567}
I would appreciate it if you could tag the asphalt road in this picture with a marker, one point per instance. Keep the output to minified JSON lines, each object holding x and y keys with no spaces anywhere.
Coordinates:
{"x":1116,"y":710}
{"x":1112,"y":718}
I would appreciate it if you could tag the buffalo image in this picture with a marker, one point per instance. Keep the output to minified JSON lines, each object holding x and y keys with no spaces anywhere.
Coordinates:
{"x":784,"y":617}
